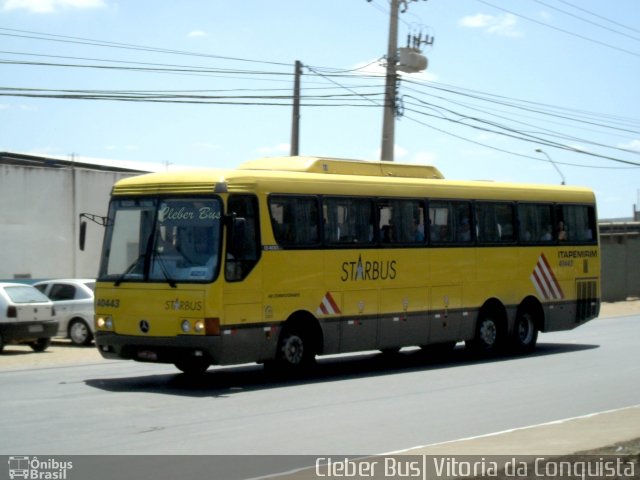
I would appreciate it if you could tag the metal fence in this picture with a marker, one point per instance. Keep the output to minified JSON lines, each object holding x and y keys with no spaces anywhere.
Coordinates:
{"x":620,"y":245}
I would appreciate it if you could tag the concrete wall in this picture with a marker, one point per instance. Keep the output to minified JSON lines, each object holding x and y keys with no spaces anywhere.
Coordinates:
{"x":39,"y":210}
{"x":620,"y":266}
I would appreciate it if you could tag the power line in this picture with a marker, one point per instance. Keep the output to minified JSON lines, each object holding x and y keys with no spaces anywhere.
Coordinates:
{"x":577,"y":35}
{"x":127,"y":46}
{"x":599,"y":16}
{"x":591,"y":22}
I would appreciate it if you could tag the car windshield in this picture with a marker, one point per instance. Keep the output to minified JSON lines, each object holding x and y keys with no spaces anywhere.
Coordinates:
{"x":25,"y":294}
{"x":162,"y":240}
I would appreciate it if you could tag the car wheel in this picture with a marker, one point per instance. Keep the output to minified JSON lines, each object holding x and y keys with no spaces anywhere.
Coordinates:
{"x":41,"y":344}
{"x":79,"y":332}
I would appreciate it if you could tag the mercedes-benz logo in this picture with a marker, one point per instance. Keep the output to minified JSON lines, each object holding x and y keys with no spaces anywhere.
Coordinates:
{"x":144,"y":326}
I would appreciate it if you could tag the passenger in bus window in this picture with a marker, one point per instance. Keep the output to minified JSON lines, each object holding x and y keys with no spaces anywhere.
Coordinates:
{"x":417,"y":231}
{"x":562,"y":233}
{"x":546,"y":234}
{"x":465,"y":231}
{"x":387,"y":234}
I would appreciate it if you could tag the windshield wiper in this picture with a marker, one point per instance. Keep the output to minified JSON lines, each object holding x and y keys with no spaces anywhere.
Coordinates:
{"x":163,"y":267}
{"x":129,"y":269}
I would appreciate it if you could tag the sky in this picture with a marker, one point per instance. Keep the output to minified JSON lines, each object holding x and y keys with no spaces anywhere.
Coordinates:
{"x":209,"y":83}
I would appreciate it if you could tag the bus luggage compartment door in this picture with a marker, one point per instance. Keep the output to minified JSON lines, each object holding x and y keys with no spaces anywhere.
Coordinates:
{"x":359,"y":327}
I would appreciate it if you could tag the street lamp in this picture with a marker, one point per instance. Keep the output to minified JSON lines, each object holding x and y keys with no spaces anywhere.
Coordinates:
{"x":539,"y":150}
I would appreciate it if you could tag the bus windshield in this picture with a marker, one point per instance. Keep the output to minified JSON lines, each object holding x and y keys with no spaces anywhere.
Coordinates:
{"x":162,"y":240}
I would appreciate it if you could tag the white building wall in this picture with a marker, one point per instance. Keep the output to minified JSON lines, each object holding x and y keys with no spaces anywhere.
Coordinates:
{"x":39,"y":209}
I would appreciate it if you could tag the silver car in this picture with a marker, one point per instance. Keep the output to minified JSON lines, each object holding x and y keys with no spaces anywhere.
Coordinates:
{"x":26,"y":317}
{"x":73,"y":299}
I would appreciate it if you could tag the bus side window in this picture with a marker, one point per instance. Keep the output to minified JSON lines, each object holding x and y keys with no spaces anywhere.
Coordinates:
{"x":439,"y":220}
{"x":294,"y":220}
{"x":577,"y":223}
{"x":243,"y":237}
{"x":348,"y":221}
{"x":495,"y":223}
{"x":535,"y":223}
{"x":401,"y":221}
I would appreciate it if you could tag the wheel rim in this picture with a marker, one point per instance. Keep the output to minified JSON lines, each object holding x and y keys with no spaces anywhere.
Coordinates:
{"x":78,"y":332}
{"x":488,"y":332}
{"x":293,"y":350}
{"x":525,"y":329}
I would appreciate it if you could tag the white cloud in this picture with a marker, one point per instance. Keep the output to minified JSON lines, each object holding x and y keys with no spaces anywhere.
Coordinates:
{"x":632,"y":145}
{"x":50,"y":6}
{"x":206,"y":145}
{"x":119,"y":148}
{"x":425,"y":157}
{"x":399,"y":152}
{"x":279,"y":149}
{"x":505,"y":25}
{"x":197,"y":33}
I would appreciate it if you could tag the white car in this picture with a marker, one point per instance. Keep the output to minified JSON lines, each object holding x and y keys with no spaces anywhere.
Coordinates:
{"x":73,"y":299}
{"x":26,"y":317}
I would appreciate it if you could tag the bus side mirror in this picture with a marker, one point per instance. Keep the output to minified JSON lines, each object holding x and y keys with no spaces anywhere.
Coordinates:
{"x":83,"y":235}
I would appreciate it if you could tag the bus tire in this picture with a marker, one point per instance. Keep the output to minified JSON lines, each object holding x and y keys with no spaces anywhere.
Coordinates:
{"x":192,"y":366}
{"x":525,"y":333}
{"x":489,"y":335}
{"x":295,"y":349}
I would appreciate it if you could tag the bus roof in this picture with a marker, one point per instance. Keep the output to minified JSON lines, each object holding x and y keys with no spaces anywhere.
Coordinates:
{"x":316,"y":175}
{"x":338,"y":166}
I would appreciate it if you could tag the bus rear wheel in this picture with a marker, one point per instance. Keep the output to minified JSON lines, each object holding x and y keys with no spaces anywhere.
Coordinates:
{"x":525,"y":333}
{"x":489,"y":337}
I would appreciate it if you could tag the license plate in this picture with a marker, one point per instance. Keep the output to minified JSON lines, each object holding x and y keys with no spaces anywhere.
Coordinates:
{"x":147,"y":355}
{"x":36,"y":328}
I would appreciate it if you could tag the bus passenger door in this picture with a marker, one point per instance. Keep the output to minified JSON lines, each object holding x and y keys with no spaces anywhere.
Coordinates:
{"x":242,"y":294}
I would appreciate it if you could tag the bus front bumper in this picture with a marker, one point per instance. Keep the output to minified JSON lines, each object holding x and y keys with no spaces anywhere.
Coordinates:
{"x":159,"y":349}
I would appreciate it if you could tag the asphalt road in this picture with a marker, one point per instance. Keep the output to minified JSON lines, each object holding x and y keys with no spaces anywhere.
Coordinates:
{"x":355,"y":404}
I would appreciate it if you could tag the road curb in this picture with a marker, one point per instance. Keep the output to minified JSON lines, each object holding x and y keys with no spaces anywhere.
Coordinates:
{"x":561,"y":437}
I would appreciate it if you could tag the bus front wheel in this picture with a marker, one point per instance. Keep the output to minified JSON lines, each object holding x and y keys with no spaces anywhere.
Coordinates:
{"x":295,"y":350}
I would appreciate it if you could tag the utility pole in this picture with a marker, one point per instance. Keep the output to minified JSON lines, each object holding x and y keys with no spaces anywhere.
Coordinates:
{"x":389,"y":116}
{"x":417,"y":63}
{"x":295,"y":118}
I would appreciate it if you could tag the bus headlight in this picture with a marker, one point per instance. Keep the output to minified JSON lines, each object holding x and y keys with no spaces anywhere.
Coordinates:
{"x":104,"y":322}
{"x":199,"y":326}
{"x":186,"y":326}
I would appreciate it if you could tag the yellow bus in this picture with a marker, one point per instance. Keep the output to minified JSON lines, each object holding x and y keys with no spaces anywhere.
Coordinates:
{"x":285,"y":259}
